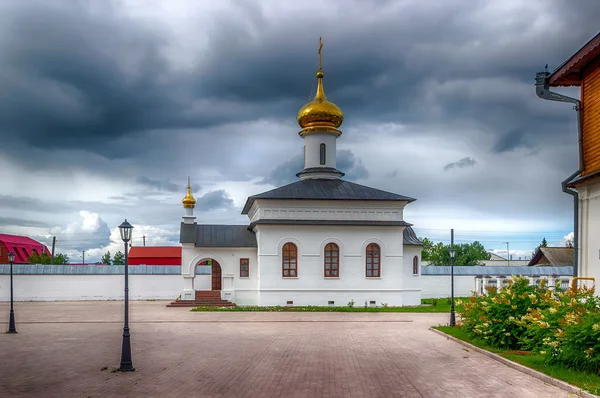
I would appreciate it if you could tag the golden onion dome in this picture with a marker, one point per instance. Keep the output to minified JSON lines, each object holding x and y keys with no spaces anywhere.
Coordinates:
{"x":189,"y":202}
{"x":320,"y":114}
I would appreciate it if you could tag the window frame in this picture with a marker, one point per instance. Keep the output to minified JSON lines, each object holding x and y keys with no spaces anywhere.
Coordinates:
{"x":288,"y":250}
{"x":333,"y":248}
{"x":322,"y":154}
{"x":375,"y":266}
{"x":416,"y":265}
{"x":247,"y":261}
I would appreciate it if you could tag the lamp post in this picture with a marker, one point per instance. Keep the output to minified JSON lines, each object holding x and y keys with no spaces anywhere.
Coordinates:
{"x":11,"y":324}
{"x":452,"y":316}
{"x":126,"y":363}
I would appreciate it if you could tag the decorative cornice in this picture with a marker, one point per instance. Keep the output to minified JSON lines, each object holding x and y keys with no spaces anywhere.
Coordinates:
{"x":331,"y":223}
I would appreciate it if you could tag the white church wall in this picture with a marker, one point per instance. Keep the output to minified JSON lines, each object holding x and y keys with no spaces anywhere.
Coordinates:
{"x":312,"y":150}
{"x":311,"y":286}
{"x":410,"y":280}
{"x":327,"y":210}
{"x":234,"y":288}
{"x":89,"y":287}
{"x":589,"y":236}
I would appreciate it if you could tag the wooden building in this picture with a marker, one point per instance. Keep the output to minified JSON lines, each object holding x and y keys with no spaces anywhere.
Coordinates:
{"x":582,"y":69}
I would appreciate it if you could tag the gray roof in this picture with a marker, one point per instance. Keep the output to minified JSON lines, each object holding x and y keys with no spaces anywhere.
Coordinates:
{"x":323,"y":189}
{"x":55,"y":269}
{"x":497,"y":271}
{"x":204,"y":235}
{"x":240,"y":236}
{"x":410,"y":238}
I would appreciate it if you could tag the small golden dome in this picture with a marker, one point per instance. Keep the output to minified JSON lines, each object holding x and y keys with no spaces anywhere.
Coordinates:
{"x":189,"y":202}
{"x":320,"y":114}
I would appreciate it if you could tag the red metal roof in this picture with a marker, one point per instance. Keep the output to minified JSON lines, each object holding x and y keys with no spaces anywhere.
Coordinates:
{"x":569,"y":73}
{"x":155,"y":251}
{"x":22,"y":246}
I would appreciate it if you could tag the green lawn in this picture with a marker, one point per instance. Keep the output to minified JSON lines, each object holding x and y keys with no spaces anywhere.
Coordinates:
{"x":586,"y":381}
{"x":427,"y":305}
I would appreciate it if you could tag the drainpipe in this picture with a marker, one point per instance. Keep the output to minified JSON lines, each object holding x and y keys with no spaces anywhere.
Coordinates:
{"x":542,"y":90}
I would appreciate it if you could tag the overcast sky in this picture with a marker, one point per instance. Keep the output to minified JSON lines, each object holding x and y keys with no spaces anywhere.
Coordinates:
{"x":106,"y":107}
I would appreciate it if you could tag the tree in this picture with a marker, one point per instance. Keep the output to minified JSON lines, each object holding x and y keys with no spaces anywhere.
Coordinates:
{"x":106,"y":258}
{"x":427,"y":244}
{"x":467,"y":254}
{"x":543,"y":244}
{"x":44,"y":258}
{"x":119,"y":258}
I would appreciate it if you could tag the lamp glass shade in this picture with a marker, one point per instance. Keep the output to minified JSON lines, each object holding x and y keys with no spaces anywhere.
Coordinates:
{"x":452,"y":253}
{"x":126,"y":230}
{"x":11,"y":257}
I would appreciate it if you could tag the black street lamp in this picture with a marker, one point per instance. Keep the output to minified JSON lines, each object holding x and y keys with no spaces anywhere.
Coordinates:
{"x":126,"y":363}
{"x":452,"y":316}
{"x":11,"y":324}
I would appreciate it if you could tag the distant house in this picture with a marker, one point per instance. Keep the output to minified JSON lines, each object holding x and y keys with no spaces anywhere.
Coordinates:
{"x":155,"y":255}
{"x":553,"y":256}
{"x":22,"y":246}
{"x":499,"y":261}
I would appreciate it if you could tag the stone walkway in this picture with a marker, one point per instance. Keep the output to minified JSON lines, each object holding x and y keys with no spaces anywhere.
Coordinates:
{"x":66,"y":349}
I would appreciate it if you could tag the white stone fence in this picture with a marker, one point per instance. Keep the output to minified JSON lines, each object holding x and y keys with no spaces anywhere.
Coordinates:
{"x":36,"y":282}
{"x":164,"y":282}
{"x":436,"y":280}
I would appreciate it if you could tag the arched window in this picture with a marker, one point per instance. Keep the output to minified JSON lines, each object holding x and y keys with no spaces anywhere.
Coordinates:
{"x":289,"y":260}
{"x":323,"y":154}
{"x":416,"y":265}
{"x":373,"y":260}
{"x":332,"y":260}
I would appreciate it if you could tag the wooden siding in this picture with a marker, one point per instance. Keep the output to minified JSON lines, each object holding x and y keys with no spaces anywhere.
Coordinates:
{"x":590,"y":94}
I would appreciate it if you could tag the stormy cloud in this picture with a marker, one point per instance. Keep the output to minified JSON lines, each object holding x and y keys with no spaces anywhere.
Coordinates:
{"x":107,"y":107}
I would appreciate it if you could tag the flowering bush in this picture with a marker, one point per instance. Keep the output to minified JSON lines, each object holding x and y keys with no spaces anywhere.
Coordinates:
{"x":563,"y":326}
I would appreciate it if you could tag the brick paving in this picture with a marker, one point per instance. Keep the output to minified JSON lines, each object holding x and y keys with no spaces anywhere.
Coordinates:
{"x":62,"y":347}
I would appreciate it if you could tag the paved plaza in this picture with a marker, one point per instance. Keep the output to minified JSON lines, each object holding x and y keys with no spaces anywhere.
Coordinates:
{"x":67,"y":349}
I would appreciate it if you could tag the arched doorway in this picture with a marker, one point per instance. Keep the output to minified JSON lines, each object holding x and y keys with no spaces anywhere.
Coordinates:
{"x":213,"y":268}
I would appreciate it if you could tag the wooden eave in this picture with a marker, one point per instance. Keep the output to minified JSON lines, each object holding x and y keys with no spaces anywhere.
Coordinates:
{"x":569,"y":73}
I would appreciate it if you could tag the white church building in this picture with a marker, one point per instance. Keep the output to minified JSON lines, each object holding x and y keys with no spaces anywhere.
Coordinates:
{"x":318,"y":241}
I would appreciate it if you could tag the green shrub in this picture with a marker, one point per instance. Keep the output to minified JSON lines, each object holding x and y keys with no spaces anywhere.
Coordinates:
{"x":563,"y":326}
{"x":496,"y":317}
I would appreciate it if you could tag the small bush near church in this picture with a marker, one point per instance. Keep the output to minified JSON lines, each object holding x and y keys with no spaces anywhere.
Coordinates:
{"x":562,"y":326}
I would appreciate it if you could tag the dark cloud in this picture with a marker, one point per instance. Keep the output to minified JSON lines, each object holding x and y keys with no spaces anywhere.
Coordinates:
{"x":464,"y":162}
{"x":346,"y":162}
{"x":78,"y":77}
{"x":214,"y":200}
{"x":350,"y":165}
{"x":161,"y":185}
{"x":107,"y":90}
{"x":25,"y":203}
{"x":20,"y":222}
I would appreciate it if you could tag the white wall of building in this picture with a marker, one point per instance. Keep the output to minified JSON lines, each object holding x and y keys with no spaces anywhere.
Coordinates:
{"x":243,"y":291}
{"x":589,"y":230}
{"x":312,"y":150}
{"x":311,"y":287}
{"x":326,"y":210}
{"x":89,"y":287}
